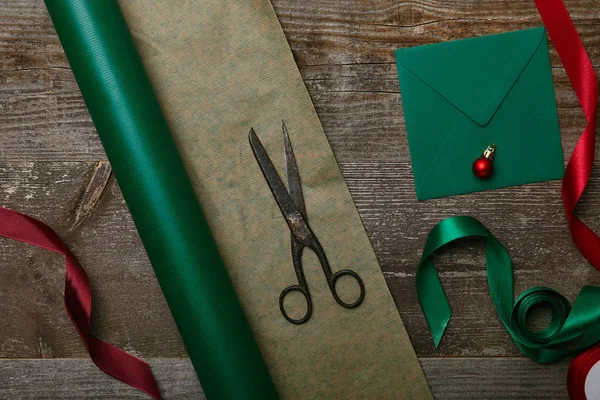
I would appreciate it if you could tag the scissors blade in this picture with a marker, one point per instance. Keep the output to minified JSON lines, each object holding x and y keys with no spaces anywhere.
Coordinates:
{"x":291,"y":169}
{"x":290,"y":212}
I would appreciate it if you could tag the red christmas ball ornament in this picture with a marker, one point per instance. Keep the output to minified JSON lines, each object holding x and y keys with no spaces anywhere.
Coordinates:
{"x":483,"y":167}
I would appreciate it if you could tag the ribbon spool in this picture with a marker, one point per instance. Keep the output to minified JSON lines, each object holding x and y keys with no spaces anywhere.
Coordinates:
{"x":527,"y":300}
{"x":579,"y":371}
{"x":570,"y":330}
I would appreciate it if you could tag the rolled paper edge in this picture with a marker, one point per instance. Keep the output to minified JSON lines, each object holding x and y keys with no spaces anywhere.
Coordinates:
{"x":125,"y":111}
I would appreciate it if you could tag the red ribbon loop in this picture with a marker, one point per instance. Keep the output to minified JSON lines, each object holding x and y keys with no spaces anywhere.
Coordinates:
{"x":78,"y":302}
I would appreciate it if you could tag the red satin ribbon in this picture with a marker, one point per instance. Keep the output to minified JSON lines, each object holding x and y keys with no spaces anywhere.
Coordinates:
{"x":578,"y":371}
{"x":78,"y":302}
{"x":583,"y":79}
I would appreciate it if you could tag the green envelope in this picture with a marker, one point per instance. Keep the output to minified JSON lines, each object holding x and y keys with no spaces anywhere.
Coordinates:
{"x":461,"y":96}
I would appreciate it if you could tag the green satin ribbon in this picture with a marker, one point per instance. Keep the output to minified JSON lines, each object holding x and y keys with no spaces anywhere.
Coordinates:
{"x":570,"y":329}
{"x":161,"y":199}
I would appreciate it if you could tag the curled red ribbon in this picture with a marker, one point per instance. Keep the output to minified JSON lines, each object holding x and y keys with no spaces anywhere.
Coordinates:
{"x":78,"y":302}
{"x":585,"y":83}
{"x":583,"y":79}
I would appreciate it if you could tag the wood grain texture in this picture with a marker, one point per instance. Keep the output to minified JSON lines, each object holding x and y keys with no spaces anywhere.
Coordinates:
{"x":529,"y":220}
{"x":344,"y":49}
{"x":93,"y":192}
{"x":495,"y":378}
{"x":77,"y":379}
{"x":128,"y":309}
{"x":464,"y":378}
{"x":50,"y":152}
{"x":131,"y":313}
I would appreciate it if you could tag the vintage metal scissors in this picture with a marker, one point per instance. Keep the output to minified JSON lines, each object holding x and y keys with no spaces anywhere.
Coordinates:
{"x":294,"y":211}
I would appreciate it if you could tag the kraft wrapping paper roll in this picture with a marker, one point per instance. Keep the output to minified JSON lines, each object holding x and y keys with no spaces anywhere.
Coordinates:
{"x":161,"y":199}
{"x":219,"y":67}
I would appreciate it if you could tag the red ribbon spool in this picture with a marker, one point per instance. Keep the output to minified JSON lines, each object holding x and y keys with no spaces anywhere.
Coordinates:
{"x":578,"y":372}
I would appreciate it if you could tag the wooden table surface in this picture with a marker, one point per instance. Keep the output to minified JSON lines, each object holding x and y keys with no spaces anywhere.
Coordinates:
{"x":52,"y":167}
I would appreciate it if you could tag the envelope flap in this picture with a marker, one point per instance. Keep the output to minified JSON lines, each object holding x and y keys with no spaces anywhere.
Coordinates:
{"x":476,"y":74}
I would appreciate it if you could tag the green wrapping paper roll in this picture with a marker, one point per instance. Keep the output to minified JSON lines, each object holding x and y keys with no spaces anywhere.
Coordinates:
{"x":161,"y":199}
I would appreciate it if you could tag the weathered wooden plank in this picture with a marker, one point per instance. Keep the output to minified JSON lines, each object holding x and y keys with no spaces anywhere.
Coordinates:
{"x":42,"y":115}
{"x":495,"y":378}
{"x":529,"y":220}
{"x":131,"y":313}
{"x":92,"y":193}
{"x":359,"y":105}
{"x":349,"y":31}
{"x":80,"y":379}
{"x":463,"y":378}
{"x":129,"y":309}
{"x":344,"y":49}
{"x":361,"y":111}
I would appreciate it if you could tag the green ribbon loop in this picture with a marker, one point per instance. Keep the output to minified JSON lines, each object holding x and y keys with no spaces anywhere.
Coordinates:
{"x":570,"y":329}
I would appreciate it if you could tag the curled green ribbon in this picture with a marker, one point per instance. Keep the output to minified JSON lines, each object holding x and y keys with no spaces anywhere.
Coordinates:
{"x":570,"y":329}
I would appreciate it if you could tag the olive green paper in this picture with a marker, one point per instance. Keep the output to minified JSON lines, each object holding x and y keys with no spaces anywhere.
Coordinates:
{"x":220,"y":67}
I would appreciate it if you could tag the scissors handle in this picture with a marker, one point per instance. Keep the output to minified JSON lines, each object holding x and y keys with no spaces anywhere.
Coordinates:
{"x":346,"y":272}
{"x":332,"y":278}
{"x":305,"y":293}
{"x":301,"y":287}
